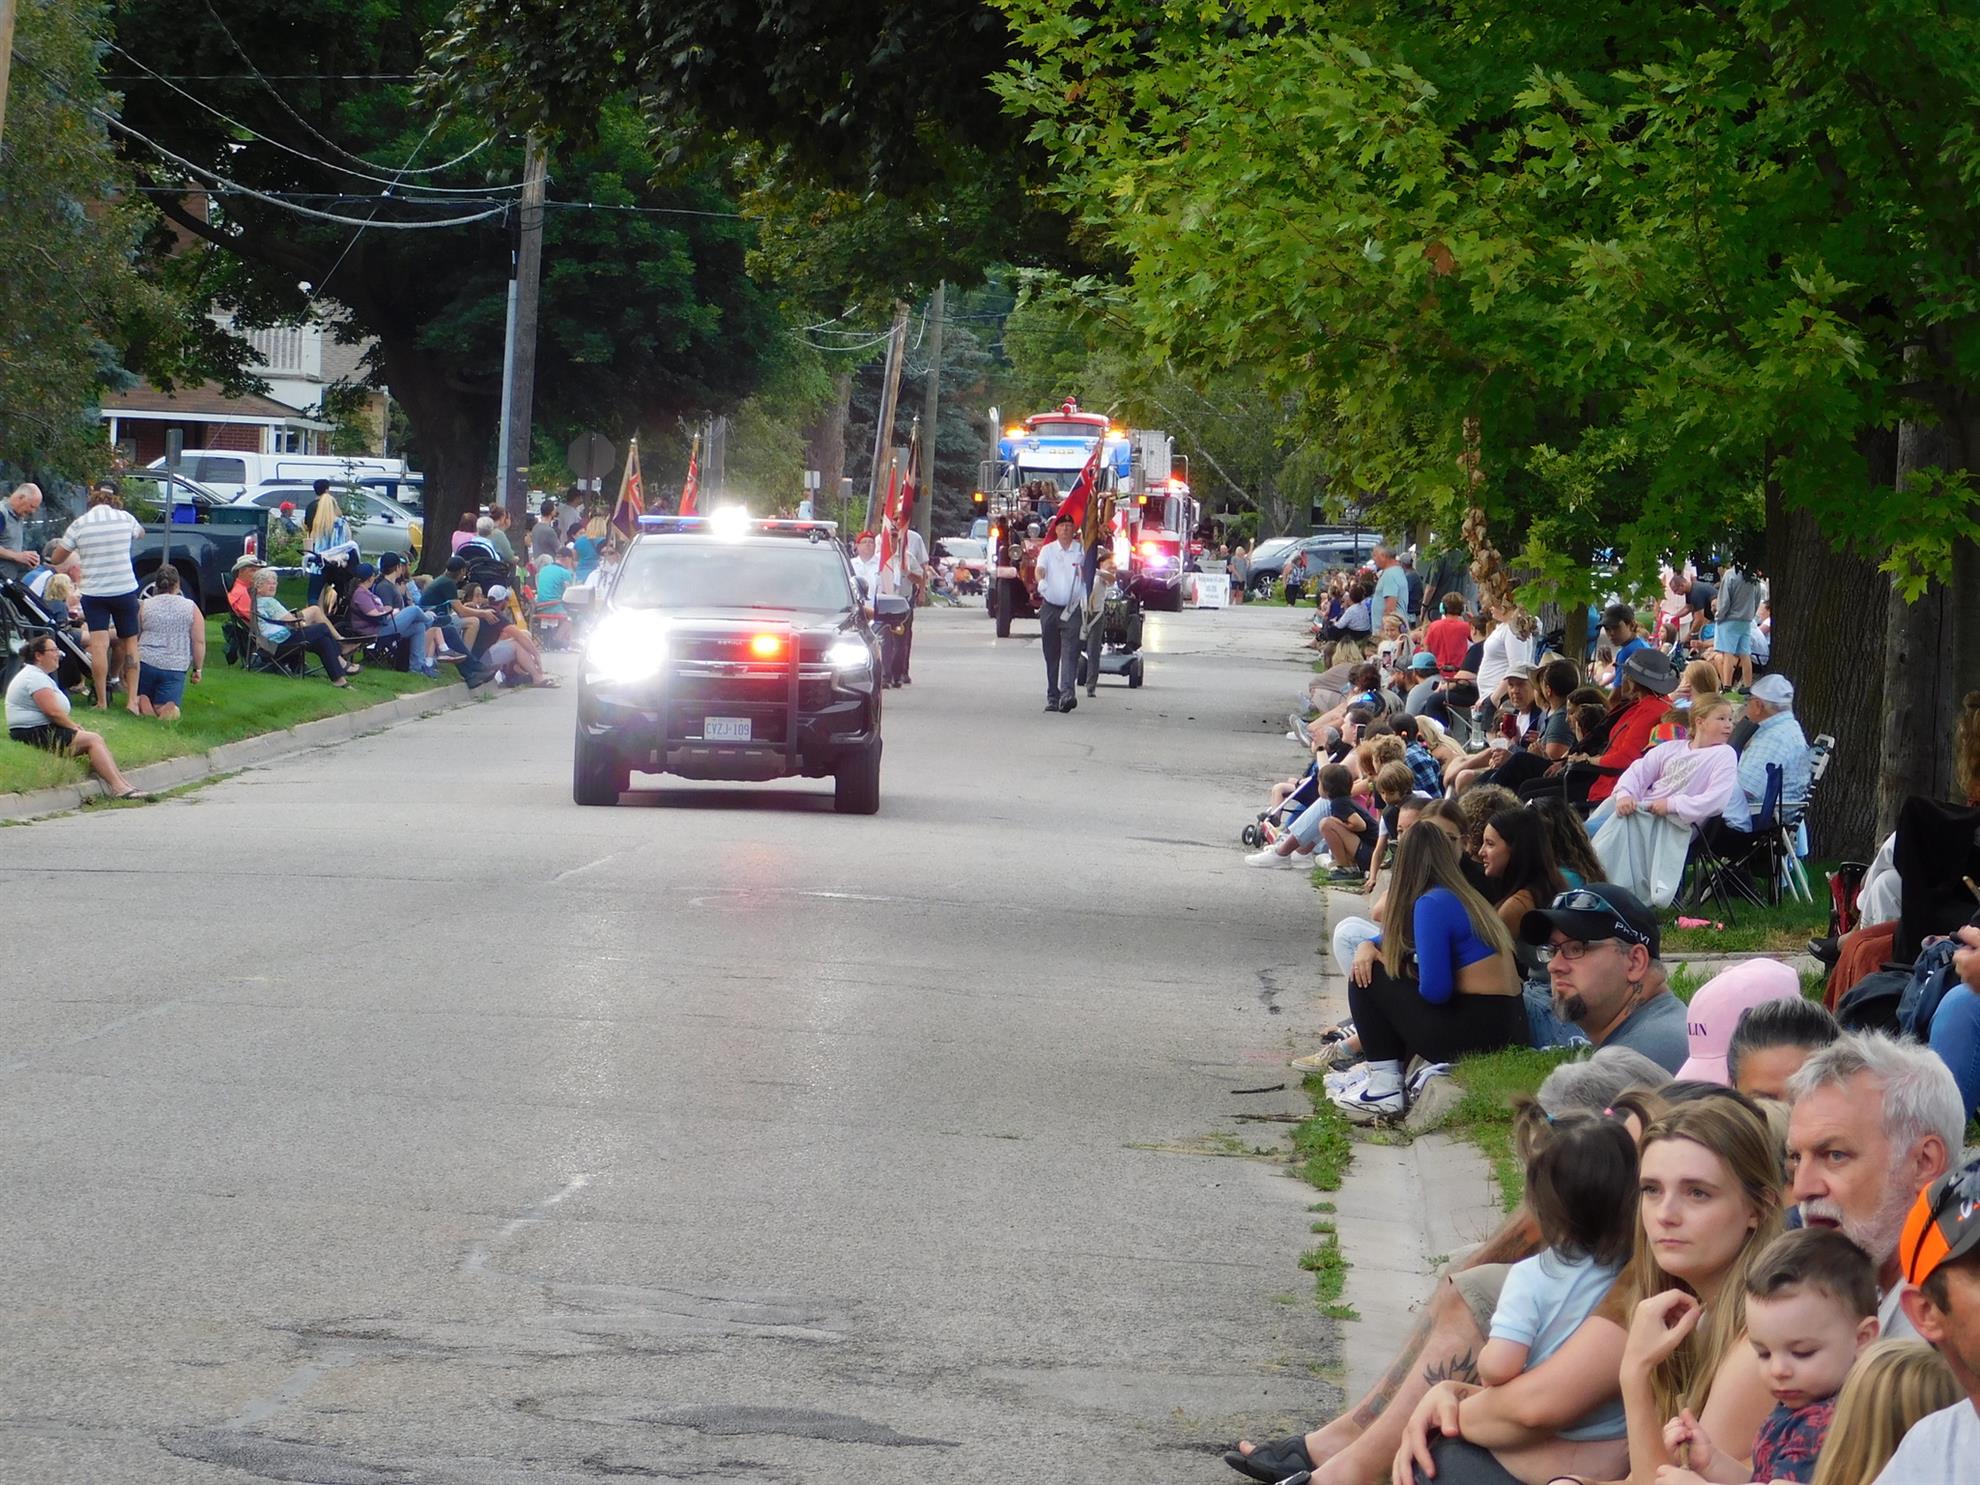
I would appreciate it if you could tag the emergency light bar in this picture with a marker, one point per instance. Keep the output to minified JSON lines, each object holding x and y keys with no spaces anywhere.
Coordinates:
{"x":721,"y":524}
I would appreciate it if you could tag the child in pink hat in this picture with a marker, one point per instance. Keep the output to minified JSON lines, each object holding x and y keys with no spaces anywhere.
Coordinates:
{"x":1720,"y":1002}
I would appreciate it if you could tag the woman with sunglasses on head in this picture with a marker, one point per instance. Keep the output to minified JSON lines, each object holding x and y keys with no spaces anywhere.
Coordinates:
{"x":1439,"y":983}
{"x":1671,"y":1336}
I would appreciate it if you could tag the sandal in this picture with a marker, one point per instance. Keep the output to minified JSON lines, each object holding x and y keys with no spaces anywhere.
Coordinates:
{"x":1271,"y":1462}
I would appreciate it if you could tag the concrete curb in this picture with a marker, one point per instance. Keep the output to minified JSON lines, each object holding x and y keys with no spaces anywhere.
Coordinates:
{"x":1403,"y":1210}
{"x":171,"y":773}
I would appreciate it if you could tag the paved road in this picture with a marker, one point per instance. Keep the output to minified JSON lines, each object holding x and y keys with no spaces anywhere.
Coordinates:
{"x":381,"y":1117}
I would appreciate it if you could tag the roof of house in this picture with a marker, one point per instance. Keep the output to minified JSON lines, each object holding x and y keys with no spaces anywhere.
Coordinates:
{"x":205,"y":399}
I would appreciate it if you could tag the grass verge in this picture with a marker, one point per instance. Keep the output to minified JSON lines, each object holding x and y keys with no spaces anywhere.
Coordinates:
{"x":226,"y":706}
{"x":1324,"y":1143}
{"x":1328,"y":1265}
{"x":1484,"y":1116}
{"x":1783,"y":929}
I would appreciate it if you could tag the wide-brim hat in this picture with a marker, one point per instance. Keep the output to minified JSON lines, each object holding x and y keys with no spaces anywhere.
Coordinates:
{"x":1652,"y":670}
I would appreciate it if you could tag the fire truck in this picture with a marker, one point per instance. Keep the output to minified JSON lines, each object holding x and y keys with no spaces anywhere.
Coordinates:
{"x":1150,"y":511}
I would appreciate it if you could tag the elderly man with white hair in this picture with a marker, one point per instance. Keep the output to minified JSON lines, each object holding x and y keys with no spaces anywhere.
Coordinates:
{"x":17,"y":554}
{"x":1777,"y":738}
{"x":1872,"y":1122}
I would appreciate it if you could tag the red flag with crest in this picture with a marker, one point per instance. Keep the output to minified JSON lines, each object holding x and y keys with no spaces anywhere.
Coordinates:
{"x":691,"y":486}
{"x":1081,"y":493}
{"x":632,"y":495}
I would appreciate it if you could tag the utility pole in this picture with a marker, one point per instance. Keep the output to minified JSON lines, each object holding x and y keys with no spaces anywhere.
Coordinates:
{"x":931,"y":405}
{"x":519,"y":351}
{"x":7,"y":8}
{"x":890,"y":397}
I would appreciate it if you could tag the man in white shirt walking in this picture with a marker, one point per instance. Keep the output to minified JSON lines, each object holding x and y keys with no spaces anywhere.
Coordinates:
{"x":1061,"y":569}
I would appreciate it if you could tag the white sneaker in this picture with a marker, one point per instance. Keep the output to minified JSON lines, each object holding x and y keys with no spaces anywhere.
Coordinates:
{"x":1349,"y":1080}
{"x":1363,"y":1107}
{"x":1271,"y":857}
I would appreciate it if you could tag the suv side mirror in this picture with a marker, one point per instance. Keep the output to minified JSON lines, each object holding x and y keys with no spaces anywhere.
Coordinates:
{"x":890,"y":606}
{"x":860,"y":583}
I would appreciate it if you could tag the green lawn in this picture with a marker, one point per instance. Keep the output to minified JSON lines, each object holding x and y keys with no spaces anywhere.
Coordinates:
{"x":226,"y":706}
{"x":1754,"y":930}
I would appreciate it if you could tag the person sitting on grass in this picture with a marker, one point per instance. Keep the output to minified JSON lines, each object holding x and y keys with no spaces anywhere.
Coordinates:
{"x":171,"y":648}
{"x":504,"y":649}
{"x":38,"y":715}
{"x":1811,"y":1308}
{"x":1567,"y":837}
{"x":1598,"y":944}
{"x":400,"y":613}
{"x":1440,"y":983}
{"x":1348,"y":829}
{"x":1515,"y":853}
{"x":310,"y":626}
{"x":1771,"y":1041}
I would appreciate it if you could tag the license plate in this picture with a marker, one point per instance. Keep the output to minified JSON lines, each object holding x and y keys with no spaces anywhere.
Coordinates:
{"x":725,"y":729}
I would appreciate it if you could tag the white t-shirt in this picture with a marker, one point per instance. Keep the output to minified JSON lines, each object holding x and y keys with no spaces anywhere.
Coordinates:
{"x":1503,"y":650}
{"x":1942,"y":1448}
{"x":21,"y":708}
{"x":102,"y":537}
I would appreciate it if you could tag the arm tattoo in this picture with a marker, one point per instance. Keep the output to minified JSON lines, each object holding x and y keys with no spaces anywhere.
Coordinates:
{"x":1460,"y":1368}
{"x":1384,"y":1392}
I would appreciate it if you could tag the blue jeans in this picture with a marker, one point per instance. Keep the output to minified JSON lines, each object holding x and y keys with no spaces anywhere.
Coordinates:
{"x":1545,"y":1026}
{"x":412,"y":622}
{"x":1956,"y":1038}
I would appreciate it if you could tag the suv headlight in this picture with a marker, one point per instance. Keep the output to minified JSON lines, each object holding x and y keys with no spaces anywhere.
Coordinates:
{"x":852,"y":664}
{"x":627,"y":647}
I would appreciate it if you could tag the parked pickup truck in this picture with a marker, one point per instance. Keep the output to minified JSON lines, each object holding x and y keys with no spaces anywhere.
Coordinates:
{"x":206,"y":536}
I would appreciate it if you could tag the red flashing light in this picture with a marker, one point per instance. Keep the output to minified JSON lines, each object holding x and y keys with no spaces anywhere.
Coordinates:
{"x":1151,"y":549}
{"x":766,"y":646}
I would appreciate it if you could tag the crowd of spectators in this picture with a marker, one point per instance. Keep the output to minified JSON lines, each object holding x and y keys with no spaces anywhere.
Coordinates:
{"x":1750,"y":1244}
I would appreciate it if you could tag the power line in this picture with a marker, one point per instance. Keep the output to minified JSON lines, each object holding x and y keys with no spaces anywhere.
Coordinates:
{"x":321,"y":163}
{"x":268,"y":76}
{"x":356,"y":198}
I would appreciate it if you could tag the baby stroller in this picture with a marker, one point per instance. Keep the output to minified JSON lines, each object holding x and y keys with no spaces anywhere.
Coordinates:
{"x":1275,"y":820}
{"x":23,"y":617}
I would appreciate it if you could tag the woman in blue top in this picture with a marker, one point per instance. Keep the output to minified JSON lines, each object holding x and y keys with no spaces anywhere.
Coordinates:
{"x":1439,"y":983}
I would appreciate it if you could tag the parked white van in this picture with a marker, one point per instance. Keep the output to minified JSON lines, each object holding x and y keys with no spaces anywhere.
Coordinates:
{"x":233,"y":474}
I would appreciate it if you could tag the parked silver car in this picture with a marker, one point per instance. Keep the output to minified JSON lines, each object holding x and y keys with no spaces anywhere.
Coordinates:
{"x":378,"y":525}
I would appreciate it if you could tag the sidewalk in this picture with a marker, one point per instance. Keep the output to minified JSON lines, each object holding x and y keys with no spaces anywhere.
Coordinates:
{"x":1403,"y":1210}
{"x":172,"y":773}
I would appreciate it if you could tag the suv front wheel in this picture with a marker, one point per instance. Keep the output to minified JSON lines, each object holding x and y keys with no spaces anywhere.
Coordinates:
{"x":856,"y":784}
{"x":596,"y":776}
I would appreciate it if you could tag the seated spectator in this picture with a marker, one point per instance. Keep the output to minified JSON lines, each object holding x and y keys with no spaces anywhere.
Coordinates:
{"x":1348,"y":829}
{"x":1811,"y":1309}
{"x":1521,"y":724}
{"x":506,"y":649}
{"x":1599,"y":945}
{"x":1633,"y":709}
{"x":1698,"y":682}
{"x":1440,"y":983}
{"x":240,"y":595}
{"x":1515,"y":853}
{"x":1643,"y":834}
{"x":1894,"y":1387}
{"x":379,"y":610}
{"x":1871,"y":1121}
{"x":1777,"y":739}
{"x":1426,"y":768}
{"x":1772,"y":1039}
{"x":277,"y":624}
{"x":553,"y":576}
{"x":1670,"y":1335}
{"x":38,"y":715}
{"x":1941,"y":1252}
{"x":1716,"y":1008}
{"x":1567,"y":837}
{"x":58,"y":560}
{"x":171,"y":648}
{"x":464,"y":530}
{"x":1619,"y":625}
{"x":1479,"y":804}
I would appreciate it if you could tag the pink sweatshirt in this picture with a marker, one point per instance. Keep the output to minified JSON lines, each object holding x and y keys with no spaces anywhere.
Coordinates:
{"x":1697,"y":783}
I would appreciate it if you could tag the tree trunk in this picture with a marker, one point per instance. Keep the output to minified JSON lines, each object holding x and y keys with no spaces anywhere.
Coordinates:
{"x":1927,"y":666}
{"x":825,"y":444}
{"x":456,"y":442}
{"x":1829,"y":641}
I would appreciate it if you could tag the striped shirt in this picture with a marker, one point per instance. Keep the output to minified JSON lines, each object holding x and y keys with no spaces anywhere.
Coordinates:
{"x":102,"y":537}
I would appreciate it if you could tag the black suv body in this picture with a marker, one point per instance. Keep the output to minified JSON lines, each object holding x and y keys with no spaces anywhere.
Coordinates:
{"x":731,"y":651}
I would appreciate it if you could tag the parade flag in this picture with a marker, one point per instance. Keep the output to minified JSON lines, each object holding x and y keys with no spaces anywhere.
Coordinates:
{"x":632,"y":495}
{"x":908,"y":492}
{"x":1081,"y":493}
{"x":691,"y":486}
{"x":889,"y":510}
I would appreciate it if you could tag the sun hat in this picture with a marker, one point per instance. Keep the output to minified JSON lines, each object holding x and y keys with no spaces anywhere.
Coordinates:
{"x":1715,"y":1011}
{"x":247,"y":560}
{"x":1652,"y":670}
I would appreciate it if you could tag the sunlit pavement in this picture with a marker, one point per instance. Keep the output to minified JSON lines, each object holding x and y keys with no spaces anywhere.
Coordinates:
{"x":381,"y":1116}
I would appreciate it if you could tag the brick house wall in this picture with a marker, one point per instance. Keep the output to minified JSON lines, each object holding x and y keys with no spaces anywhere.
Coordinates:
{"x":149,"y":437}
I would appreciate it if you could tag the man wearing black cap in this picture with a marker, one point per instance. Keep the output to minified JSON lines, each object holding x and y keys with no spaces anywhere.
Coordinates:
{"x":1940,"y":1250}
{"x":1061,"y":576}
{"x":1599,"y":944}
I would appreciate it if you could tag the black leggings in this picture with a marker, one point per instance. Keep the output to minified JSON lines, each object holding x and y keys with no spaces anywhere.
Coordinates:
{"x":319,"y":639}
{"x":1396,"y":1023}
{"x":1521,"y":769}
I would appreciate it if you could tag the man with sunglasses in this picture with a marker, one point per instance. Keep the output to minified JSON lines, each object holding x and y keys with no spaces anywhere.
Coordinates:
{"x":1940,"y":1248}
{"x":1606,"y":986}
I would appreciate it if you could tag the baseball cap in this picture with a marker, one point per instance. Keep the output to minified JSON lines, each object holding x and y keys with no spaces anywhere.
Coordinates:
{"x":1423,"y":660}
{"x":366,"y":570}
{"x":1519,"y":672}
{"x":1720,"y":1002}
{"x":1652,"y":670}
{"x":1775,"y":690}
{"x":499,"y":593}
{"x":1599,"y":911}
{"x":1944,"y":1223}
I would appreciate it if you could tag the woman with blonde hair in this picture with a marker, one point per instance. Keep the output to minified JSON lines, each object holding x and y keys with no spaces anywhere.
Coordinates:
{"x":1643,"y":833}
{"x":1698,"y":683}
{"x":328,"y":551}
{"x":1673,"y":1329}
{"x":1891,"y":1387}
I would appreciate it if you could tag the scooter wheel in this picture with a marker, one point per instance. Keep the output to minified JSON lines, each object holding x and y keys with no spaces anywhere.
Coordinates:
{"x":1250,"y":836}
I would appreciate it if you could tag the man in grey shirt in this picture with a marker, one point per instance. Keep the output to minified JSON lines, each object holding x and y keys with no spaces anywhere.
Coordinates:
{"x":17,"y":554}
{"x":1606,"y":985}
{"x":1737,"y":608}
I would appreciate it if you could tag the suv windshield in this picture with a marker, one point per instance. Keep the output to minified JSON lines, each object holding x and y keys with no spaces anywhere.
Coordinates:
{"x":689,"y":573}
